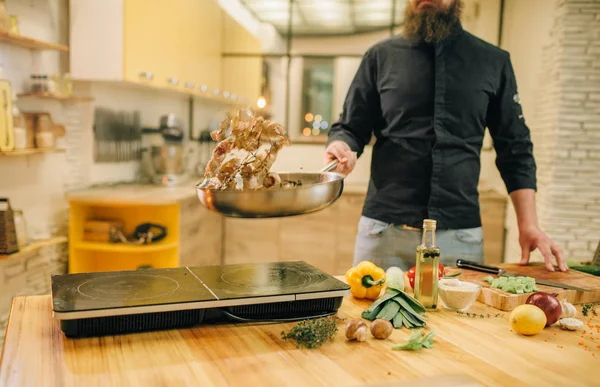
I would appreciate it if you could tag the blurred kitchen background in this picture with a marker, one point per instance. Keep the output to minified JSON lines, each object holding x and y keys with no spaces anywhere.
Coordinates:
{"x":112,"y":102}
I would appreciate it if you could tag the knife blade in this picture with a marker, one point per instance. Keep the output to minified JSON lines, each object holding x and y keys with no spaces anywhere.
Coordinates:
{"x":465,"y":264}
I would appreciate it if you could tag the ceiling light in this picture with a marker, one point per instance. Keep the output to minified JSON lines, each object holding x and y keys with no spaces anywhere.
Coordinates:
{"x":261,"y":103}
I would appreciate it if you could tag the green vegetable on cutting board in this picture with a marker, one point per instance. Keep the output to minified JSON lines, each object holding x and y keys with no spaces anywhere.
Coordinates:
{"x":517,"y":285}
{"x":585,"y":267}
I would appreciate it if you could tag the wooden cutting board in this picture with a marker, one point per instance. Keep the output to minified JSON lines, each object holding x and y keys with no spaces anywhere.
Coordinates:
{"x":499,"y":299}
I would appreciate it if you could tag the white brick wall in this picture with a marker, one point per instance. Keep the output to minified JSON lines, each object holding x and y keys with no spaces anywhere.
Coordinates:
{"x":566,"y":131}
{"x":28,"y":275}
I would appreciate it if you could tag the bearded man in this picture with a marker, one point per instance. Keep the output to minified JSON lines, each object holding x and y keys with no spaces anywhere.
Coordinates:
{"x":427,"y":96}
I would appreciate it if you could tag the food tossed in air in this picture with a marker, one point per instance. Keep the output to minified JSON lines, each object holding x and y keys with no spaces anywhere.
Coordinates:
{"x":246,"y":150}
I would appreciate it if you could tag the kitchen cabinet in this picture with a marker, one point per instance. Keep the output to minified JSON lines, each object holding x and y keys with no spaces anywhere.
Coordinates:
{"x":326,"y":238}
{"x":242,"y":75}
{"x":200,"y":237}
{"x":167,"y":44}
{"x":194,"y":233}
{"x":493,"y":213}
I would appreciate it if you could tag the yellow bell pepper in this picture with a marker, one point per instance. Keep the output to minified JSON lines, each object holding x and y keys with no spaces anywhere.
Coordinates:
{"x":366,"y":280}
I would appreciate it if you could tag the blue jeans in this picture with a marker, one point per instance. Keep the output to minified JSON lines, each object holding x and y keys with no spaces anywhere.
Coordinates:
{"x":388,"y":245}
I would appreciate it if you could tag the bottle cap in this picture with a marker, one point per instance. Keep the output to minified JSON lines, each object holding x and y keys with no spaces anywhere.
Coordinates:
{"x":429,"y":224}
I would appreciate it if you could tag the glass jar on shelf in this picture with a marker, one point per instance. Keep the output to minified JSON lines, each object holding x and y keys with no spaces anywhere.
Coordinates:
{"x":19,"y":126}
{"x":4,"y":17}
{"x":67,"y":85}
{"x":21,"y":228}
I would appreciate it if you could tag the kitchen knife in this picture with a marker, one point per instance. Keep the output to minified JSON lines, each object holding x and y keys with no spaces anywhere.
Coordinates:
{"x":464,"y":264}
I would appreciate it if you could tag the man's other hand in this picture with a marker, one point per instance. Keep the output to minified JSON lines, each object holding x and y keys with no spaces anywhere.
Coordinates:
{"x":340,"y":151}
{"x":532,"y":238}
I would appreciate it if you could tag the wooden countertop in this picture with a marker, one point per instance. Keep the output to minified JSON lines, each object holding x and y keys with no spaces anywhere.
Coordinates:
{"x":134,"y":193}
{"x":467,"y":352}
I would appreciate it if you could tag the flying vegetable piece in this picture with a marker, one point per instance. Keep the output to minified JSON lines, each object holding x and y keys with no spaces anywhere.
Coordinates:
{"x":247,"y":149}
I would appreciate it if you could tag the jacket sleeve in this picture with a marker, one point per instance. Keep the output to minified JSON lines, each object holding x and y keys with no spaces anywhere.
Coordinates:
{"x":361,"y":108}
{"x":510,"y":134}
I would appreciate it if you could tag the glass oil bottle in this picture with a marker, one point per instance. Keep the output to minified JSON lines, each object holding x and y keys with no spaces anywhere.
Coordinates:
{"x":427,"y":267}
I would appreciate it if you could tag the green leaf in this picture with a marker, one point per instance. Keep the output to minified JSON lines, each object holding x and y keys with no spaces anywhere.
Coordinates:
{"x":397,"y":321}
{"x":416,"y":305}
{"x":414,"y":322}
{"x":389,"y":311}
{"x":371,"y":314}
{"x":416,"y":341}
{"x":405,"y":305}
{"x":389,"y":293}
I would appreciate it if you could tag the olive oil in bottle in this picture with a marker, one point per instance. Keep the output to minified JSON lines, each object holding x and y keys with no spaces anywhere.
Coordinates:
{"x":427,"y":267}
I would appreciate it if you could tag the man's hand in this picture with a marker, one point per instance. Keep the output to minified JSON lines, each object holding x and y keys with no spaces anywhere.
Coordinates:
{"x":530,"y":235}
{"x":533,"y":238}
{"x":340,"y":151}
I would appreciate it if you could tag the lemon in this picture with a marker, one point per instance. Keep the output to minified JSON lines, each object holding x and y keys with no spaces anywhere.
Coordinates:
{"x":527,"y":319}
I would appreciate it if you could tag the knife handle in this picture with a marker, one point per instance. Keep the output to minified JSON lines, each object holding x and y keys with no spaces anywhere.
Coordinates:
{"x":464,"y":264}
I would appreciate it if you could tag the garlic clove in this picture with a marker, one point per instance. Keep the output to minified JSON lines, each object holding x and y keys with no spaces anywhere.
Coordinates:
{"x":568,"y":309}
{"x":571,"y":324}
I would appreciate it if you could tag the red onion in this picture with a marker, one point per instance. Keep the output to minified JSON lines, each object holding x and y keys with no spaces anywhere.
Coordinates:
{"x":548,"y":303}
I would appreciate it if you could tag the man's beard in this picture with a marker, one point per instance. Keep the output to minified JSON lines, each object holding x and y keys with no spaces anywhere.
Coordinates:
{"x":432,"y":26}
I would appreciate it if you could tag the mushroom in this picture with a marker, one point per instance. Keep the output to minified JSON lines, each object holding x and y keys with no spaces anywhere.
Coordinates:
{"x":356,"y":330}
{"x":381,"y":329}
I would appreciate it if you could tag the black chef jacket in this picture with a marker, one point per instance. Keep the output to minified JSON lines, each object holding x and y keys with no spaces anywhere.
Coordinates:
{"x":428,"y":107}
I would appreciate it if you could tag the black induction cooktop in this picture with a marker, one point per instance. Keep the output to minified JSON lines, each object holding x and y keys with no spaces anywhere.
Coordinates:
{"x":94,"y":304}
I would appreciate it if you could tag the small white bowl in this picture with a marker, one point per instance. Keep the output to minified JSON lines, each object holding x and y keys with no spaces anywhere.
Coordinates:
{"x":458,"y":295}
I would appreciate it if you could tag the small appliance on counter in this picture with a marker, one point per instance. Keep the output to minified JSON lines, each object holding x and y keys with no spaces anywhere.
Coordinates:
{"x":108,"y":303}
{"x":205,"y":146}
{"x":8,"y":230}
{"x":164,"y":156}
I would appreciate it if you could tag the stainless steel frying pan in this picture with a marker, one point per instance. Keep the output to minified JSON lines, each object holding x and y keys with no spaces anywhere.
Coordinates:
{"x":316,"y":192}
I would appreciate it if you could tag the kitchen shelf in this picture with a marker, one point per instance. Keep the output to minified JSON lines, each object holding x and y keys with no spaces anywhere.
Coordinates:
{"x":36,"y":245}
{"x":124,"y":248}
{"x":22,"y":41}
{"x":55,"y":97}
{"x":32,"y":151}
{"x":208,"y":96}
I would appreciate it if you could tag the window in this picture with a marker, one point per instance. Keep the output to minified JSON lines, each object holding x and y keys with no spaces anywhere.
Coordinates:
{"x":317,"y":97}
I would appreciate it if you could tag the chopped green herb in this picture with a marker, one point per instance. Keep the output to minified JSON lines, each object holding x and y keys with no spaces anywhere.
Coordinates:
{"x":480,"y":315}
{"x":312,"y":333}
{"x":587,"y":308}
{"x":416,"y":341}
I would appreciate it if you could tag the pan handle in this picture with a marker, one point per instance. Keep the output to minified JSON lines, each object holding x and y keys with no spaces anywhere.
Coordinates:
{"x":329,"y":167}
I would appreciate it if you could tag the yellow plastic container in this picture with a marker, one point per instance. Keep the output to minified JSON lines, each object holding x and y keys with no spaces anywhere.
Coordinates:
{"x":87,"y":256}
